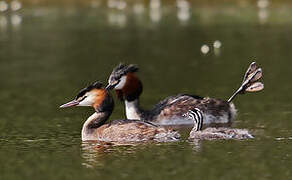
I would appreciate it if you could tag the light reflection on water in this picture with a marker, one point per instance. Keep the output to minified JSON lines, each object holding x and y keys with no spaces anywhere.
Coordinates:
{"x":183,"y":12}
{"x":15,"y":5}
{"x":16,"y":20}
{"x":117,"y":19}
{"x":155,"y":15}
{"x":3,"y":6}
{"x":12,"y":21}
{"x":3,"y":22}
{"x":138,"y":8}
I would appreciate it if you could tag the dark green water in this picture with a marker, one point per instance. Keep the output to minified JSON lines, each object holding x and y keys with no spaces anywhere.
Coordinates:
{"x":48,"y":54}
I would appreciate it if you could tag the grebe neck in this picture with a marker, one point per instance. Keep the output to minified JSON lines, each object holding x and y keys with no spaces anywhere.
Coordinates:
{"x":133,"y":109}
{"x":130,"y":94}
{"x":96,"y":120}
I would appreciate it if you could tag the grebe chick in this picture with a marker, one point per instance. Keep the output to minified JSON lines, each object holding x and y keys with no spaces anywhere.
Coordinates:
{"x":211,"y":133}
{"x":170,"y":110}
{"x":116,"y":131}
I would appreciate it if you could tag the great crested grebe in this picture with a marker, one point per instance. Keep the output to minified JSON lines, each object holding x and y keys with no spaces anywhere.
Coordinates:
{"x":170,"y":110}
{"x":116,"y":131}
{"x":211,"y":133}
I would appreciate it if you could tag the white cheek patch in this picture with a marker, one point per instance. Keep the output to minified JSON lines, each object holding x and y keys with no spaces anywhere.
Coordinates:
{"x":121,"y":83}
{"x":87,"y":101}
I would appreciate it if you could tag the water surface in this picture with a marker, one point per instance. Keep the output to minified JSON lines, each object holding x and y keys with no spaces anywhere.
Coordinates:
{"x":48,"y":53}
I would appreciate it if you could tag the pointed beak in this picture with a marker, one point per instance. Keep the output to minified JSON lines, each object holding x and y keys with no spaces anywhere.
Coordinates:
{"x":109,"y":87}
{"x":69,"y":104}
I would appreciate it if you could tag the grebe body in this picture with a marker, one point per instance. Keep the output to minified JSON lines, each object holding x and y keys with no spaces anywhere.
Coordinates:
{"x":170,"y":110}
{"x":212,"y":133}
{"x":116,"y":131}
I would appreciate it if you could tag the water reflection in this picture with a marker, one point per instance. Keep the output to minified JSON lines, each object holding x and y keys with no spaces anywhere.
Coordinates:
{"x":155,"y":11}
{"x":183,"y":13}
{"x":3,"y":6}
{"x":196,"y":145}
{"x":121,"y":5}
{"x":283,"y":138}
{"x":94,"y":153}
{"x":155,"y":15}
{"x":118,"y":19}
{"x":138,"y":8}
{"x":205,"y":49}
{"x":117,"y":4}
{"x":217,"y":45}
{"x":118,"y":11}
{"x":3,"y":22}
{"x":263,"y":4}
{"x":155,"y":4}
{"x":10,"y":20}
{"x":111,"y":3}
{"x":263,"y":15}
{"x":16,"y":20}
{"x":15,"y":5}
{"x":95,"y":4}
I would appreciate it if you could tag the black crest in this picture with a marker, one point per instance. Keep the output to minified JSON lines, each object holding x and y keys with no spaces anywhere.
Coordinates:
{"x":95,"y":85}
{"x":123,"y":69}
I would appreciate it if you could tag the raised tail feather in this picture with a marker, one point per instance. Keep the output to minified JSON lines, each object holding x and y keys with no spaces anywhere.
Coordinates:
{"x":250,"y":81}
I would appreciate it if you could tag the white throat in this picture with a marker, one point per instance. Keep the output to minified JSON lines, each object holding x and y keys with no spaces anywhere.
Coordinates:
{"x":84,"y":134}
{"x":132,"y":108}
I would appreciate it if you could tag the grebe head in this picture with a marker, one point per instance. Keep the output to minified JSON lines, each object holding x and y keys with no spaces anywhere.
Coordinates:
{"x":124,"y":80}
{"x":95,"y":96}
{"x":118,"y":77}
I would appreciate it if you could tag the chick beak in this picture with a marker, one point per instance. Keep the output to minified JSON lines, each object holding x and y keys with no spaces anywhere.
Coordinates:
{"x":70,"y":104}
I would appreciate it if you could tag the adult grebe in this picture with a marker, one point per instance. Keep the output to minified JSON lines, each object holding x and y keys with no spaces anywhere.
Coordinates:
{"x":116,"y":131}
{"x":210,"y":133}
{"x":170,"y":110}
